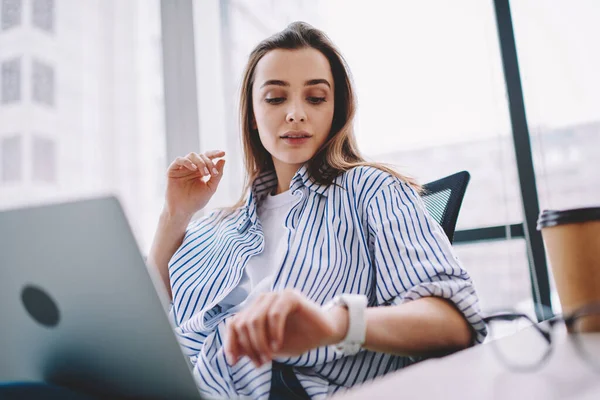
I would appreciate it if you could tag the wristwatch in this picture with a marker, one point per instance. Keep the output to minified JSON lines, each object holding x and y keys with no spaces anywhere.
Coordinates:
{"x":357,"y":324}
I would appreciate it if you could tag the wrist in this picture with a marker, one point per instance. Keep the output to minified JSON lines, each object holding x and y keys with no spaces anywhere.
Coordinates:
{"x":341,"y":322}
{"x":175,"y":217}
{"x":349,"y":322}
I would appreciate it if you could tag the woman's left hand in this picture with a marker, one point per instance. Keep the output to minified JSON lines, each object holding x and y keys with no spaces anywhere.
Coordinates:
{"x":282,"y":324}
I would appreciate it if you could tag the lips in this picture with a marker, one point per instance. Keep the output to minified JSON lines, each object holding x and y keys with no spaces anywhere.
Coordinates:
{"x":296,"y":135}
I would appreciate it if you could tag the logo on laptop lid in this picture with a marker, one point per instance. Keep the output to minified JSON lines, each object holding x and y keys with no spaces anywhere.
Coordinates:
{"x":40,"y":306}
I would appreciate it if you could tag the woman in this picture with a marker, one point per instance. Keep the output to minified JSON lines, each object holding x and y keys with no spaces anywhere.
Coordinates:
{"x":270,"y":296}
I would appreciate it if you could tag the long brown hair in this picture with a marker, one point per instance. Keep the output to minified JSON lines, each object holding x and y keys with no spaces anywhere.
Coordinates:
{"x":340,"y":152}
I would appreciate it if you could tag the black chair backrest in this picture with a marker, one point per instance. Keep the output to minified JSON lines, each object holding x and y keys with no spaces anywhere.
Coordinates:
{"x":443,"y":199}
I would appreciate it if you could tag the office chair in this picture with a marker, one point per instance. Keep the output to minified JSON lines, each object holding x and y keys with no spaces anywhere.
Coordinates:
{"x":443,"y":199}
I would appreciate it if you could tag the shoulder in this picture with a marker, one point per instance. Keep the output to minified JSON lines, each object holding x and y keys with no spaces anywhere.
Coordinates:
{"x":365,"y":183}
{"x":359,"y":177}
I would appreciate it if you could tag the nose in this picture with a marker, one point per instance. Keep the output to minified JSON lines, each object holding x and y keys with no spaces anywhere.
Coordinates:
{"x":296,"y":113}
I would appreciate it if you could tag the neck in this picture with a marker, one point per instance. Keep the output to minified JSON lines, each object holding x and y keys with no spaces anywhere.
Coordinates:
{"x":285,"y":173}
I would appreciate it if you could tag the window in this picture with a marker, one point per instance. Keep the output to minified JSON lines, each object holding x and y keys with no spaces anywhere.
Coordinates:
{"x":43,"y":14}
{"x":11,"y":81}
{"x":11,"y":13}
{"x":43,"y":83}
{"x":502,"y":281}
{"x":104,"y":71}
{"x":559,"y":56}
{"x":44,"y":160}
{"x":12,"y":158}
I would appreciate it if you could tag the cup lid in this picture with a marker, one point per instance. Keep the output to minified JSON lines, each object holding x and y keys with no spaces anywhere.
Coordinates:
{"x":550,"y":218}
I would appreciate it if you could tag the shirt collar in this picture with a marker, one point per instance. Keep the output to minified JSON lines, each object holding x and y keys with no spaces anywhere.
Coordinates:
{"x":266,"y":182}
{"x":303,"y":178}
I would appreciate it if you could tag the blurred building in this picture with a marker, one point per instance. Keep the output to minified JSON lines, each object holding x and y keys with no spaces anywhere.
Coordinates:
{"x":81,"y":107}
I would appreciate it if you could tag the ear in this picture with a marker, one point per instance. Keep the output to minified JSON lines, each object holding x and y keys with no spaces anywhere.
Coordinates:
{"x":253,"y":125}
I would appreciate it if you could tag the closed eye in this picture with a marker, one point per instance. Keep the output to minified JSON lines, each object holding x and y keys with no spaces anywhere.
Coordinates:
{"x":310,"y":99}
{"x":275,"y":100}
{"x":316,"y":100}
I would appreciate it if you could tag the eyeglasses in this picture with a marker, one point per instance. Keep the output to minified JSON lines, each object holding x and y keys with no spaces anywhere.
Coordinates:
{"x":530,"y":351}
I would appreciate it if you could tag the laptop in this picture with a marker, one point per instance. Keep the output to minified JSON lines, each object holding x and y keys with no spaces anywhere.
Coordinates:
{"x":79,"y":308}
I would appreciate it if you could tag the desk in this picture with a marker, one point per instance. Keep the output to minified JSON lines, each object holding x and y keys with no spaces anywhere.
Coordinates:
{"x":477,"y":373}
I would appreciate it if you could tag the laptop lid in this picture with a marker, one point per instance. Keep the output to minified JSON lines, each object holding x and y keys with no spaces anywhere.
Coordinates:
{"x":79,"y":308}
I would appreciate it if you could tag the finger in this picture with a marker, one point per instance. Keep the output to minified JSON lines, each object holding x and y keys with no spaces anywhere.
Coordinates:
{"x":234,"y":341}
{"x":211,"y":166}
{"x":220,"y":167}
{"x":232,"y":350}
{"x":196,"y":159}
{"x":258,"y":332}
{"x":243,"y":340}
{"x":179,"y":169}
{"x":213,"y":182}
{"x":215,"y":154}
{"x":184,"y":163}
{"x":280,"y":309}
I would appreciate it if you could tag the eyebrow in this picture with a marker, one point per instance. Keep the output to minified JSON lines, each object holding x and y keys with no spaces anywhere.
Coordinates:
{"x":310,"y":82}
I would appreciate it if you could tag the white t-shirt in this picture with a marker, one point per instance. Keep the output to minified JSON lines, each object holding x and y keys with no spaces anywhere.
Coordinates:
{"x":259,"y":273}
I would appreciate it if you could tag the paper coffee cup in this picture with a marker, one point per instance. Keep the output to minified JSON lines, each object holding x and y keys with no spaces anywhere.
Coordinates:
{"x":572,"y":240}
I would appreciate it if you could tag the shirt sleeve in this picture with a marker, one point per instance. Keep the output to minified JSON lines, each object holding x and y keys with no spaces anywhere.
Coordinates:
{"x":413,"y":257}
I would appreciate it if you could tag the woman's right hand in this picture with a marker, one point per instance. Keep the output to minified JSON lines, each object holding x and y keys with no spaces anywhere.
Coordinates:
{"x":187,"y":191}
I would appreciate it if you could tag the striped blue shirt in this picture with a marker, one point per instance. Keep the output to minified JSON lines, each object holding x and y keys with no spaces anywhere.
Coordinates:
{"x":368,"y":233}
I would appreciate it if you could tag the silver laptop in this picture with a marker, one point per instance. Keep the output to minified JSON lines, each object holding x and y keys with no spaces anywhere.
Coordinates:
{"x":79,"y":308}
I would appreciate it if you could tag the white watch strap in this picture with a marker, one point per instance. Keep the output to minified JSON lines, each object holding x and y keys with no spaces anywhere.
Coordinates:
{"x":357,"y":324}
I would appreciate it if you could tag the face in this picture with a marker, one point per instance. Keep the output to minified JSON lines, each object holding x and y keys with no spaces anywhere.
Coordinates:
{"x":292,"y":96}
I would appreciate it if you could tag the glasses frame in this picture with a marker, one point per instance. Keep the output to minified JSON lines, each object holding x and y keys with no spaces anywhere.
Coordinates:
{"x":546,"y":330}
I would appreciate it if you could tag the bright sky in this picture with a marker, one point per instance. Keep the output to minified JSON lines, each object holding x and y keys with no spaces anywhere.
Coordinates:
{"x":429,"y":72}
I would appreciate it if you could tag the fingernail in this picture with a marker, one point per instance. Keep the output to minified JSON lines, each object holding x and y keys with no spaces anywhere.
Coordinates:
{"x":194,"y":166}
{"x":274,"y":345}
{"x":215,"y":171}
{"x":206,"y":171}
{"x":264,"y":359}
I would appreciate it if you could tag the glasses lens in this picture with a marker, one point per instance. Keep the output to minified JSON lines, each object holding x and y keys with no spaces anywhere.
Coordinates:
{"x":586,"y":329}
{"x":518,"y":343}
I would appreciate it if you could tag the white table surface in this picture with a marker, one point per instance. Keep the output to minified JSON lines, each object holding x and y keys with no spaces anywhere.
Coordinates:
{"x":477,"y":373}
